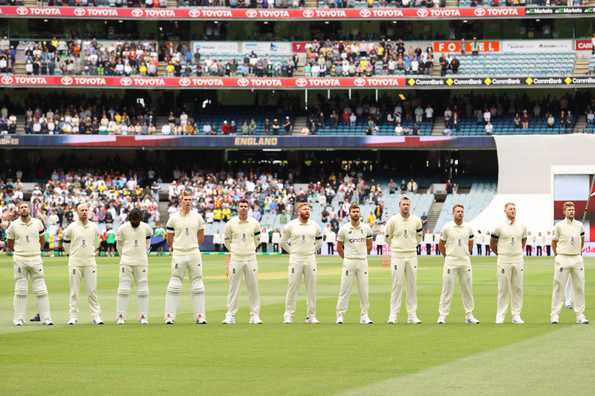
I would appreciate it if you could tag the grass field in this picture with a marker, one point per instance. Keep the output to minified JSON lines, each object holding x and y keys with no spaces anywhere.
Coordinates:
{"x":299,"y":359}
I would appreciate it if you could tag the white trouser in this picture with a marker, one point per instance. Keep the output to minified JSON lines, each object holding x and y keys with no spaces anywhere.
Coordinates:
{"x":139,"y":274}
{"x":568,"y":293}
{"x":510,"y":285}
{"x":248,"y":269}
{"x":180,"y":264}
{"x":357,"y":268}
{"x":89,"y":275}
{"x":404,"y":271}
{"x":25,"y":268}
{"x":298,"y":267}
{"x":456,"y":268}
{"x":568,"y":267}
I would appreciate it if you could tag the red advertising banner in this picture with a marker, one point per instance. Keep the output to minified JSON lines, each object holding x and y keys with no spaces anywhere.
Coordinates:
{"x":583,"y":45}
{"x":455,"y":46}
{"x":200,"y":82}
{"x":209,"y":13}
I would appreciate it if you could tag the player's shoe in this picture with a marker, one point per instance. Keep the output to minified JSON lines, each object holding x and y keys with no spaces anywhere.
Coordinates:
{"x":255,"y":319}
{"x":19,"y":322}
{"x":72,"y":322}
{"x":47,"y":322}
{"x":229,"y":319}
{"x":499,"y":320}
{"x":517,"y":320}
{"x":201,"y":320}
{"x":392,"y":319}
{"x":582,"y":320}
{"x":287,"y":319}
{"x":471,"y":320}
{"x":36,"y":318}
{"x":554,"y":320}
{"x":97,"y":321}
{"x":441,"y":320}
{"x":413,"y":320}
{"x":339,"y":319}
{"x":312,"y":320}
{"x":169,"y":321}
{"x":120,"y":321}
{"x":568,"y":305}
{"x":143,"y":321}
{"x":365,"y":320}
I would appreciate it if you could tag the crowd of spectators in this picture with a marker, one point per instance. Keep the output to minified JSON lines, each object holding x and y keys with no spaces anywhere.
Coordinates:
{"x":386,"y":57}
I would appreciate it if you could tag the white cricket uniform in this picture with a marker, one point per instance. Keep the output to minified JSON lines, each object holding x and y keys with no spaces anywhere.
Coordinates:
{"x":302,"y":241}
{"x":241,"y":239}
{"x":186,"y":257}
{"x":133,"y":244}
{"x":510,"y":267}
{"x":355,"y":264}
{"x":28,"y":264}
{"x":457,"y":263}
{"x":403,"y":234}
{"x":81,"y":242}
{"x":569,"y":264}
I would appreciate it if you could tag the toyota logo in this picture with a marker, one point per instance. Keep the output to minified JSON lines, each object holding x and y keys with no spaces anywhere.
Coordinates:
{"x":80,"y":12}
{"x":359,"y":82}
{"x":422,"y":12}
{"x":365,"y":13}
{"x":6,"y":80}
{"x":308,"y":13}
{"x":126,"y":81}
{"x":22,"y":11}
{"x":243,"y":82}
{"x":194,"y":13}
{"x":137,"y":12}
{"x":184,"y":82}
{"x":66,"y":80}
{"x":480,"y":12}
{"x":301,"y":82}
{"x":251,"y":13}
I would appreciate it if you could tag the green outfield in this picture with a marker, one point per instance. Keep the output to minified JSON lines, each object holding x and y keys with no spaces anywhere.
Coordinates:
{"x":299,"y":359}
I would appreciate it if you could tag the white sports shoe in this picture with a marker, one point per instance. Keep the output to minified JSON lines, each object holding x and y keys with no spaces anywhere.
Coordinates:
{"x":582,"y":320}
{"x":201,"y":320}
{"x":19,"y":322}
{"x":287,"y":319}
{"x":365,"y":320}
{"x":47,"y":322}
{"x":120,"y":321}
{"x":169,"y":321}
{"x":72,"y":322}
{"x":471,"y":320}
{"x":499,"y":320}
{"x":339,"y":319}
{"x":568,"y":305}
{"x":414,"y":320}
{"x":97,"y":321}
{"x":255,"y":319}
{"x":312,"y":320}
{"x":554,"y":320}
{"x":229,"y":319}
{"x":392,"y":319}
{"x":441,"y":320}
{"x":517,"y":320}
{"x":143,"y":321}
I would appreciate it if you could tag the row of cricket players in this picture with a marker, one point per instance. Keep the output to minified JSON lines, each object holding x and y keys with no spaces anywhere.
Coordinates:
{"x":301,"y":239}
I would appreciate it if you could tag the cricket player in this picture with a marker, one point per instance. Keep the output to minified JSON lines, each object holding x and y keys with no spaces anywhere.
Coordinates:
{"x":185,"y":233}
{"x":81,"y":241}
{"x":567,"y":243}
{"x":508,"y":242}
{"x":133,"y":241}
{"x":354,"y":243}
{"x":25,"y":237}
{"x":404,"y":233}
{"x":241,"y":236}
{"x":302,"y":238}
{"x":456,"y":245}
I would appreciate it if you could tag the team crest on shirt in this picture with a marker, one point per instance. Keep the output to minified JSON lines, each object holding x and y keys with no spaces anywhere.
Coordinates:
{"x":303,"y":238}
{"x":243,"y":236}
{"x":187,"y":232}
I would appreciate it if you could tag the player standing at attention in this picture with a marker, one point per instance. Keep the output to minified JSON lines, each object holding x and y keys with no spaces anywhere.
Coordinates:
{"x":404,"y":233}
{"x":81,"y":241}
{"x":241,"y":236}
{"x":354,"y":243}
{"x":185,"y":233}
{"x":508,"y":242}
{"x":25,"y":237}
{"x":133,"y":241}
{"x":456,"y":245}
{"x":301,"y":238}
{"x":567,"y":243}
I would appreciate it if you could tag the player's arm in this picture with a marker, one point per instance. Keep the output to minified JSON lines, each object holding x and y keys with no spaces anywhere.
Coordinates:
{"x":10,"y":239}
{"x":41,"y":235}
{"x":285,"y":235}
{"x":318,"y":238}
{"x":442,"y":242}
{"x":340,"y":248}
{"x":369,"y":241}
{"x":169,"y":236}
{"x":341,"y":242}
{"x":227,"y":236}
{"x":555,"y":238}
{"x":470,"y":244}
{"x":582,"y":241}
{"x":256,"y":235}
{"x":494,"y":241}
{"x":200,"y":236}
{"x":148,"y":238}
{"x":66,"y":239}
{"x":119,"y":241}
{"x":419,"y":232}
{"x":97,"y":240}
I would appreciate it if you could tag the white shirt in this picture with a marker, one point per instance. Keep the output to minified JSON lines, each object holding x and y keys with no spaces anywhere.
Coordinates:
{"x":355,"y":240}
{"x":83,"y":241}
{"x":185,"y":229}
{"x":242,"y":236}
{"x":301,"y":239}
{"x":133,"y":243}
{"x":569,"y":235}
{"x":457,"y":239}
{"x":26,"y":237}
{"x":404,"y":233}
{"x":510,"y":239}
